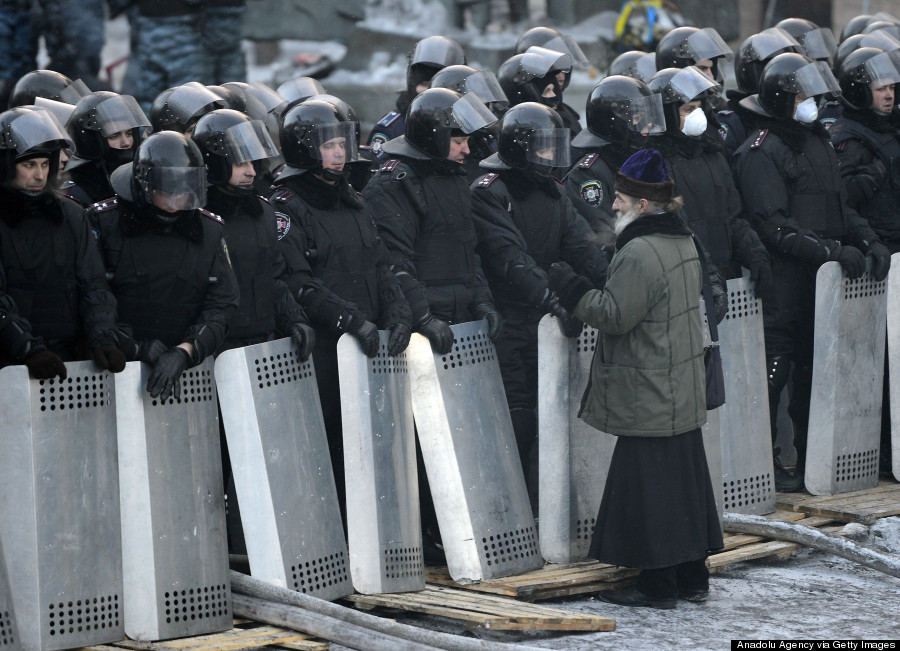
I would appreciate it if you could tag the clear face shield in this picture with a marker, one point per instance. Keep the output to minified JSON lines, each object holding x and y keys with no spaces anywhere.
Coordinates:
{"x":770,"y":41}
{"x":74,"y":92}
{"x":117,"y":114}
{"x":643,"y":115}
{"x":539,"y":61}
{"x":881,"y":40}
{"x":189,"y":99}
{"x":567,"y":44}
{"x":60,"y":110}
{"x":436,"y":52}
{"x":549,"y":148}
{"x":34,"y":129}
{"x":707,"y":44}
{"x":471,"y":114}
{"x":335,"y":143}
{"x":689,"y":84}
{"x":813,"y":79}
{"x":174,"y":189}
{"x":248,"y":141}
{"x":819,"y":44}
{"x":485,"y":85}
{"x":883,"y":69}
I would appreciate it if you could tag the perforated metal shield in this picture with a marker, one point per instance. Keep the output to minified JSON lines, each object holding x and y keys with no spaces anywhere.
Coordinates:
{"x":711,"y":430}
{"x":282,"y":469}
{"x":748,"y":484}
{"x":893,"y":353}
{"x":174,"y":547}
{"x":9,"y":631}
{"x":59,"y":508}
{"x":574,"y":457}
{"x":848,"y":366}
{"x":470,"y":454}
{"x":383,"y":527}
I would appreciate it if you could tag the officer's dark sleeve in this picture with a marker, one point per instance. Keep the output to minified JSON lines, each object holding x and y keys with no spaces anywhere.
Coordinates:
{"x":395,"y":308}
{"x":16,"y":339}
{"x":857,"y":166}
{"x":599,"y":217}
{"x":858,"y":231}
{"x":764,"y":194}
{"x":287,"y":309}
{"x":581,"y":250}
{"x":221,"y":300}
{"x":96,"y":300}
{"x":745,"y":242}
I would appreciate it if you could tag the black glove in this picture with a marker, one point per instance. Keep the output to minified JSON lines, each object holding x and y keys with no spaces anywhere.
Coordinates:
{"x":570,"y":325}
{"x":367,"y":333}
{"x":399,"y":339}
{"x":881,"y":260}
{"x":166,"y":374}
{"x":150,"y":350}
{"x":851,"y":259}
{"x":46,"y":364}
{"x":494,"y":319}
{"x":761,"y":275}
{"x":438,"y":332}
{"x":110,"y":358}
{"x":304,"y":337}
{"x":871,"y":179}
{"x":569,"y":285}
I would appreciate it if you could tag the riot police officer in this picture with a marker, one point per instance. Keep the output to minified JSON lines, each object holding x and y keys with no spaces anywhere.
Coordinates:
{"x":633,"y":63}
{"x":534,"y":76}
{"x":691,"y":46}
{"x":55,"y":304}
{"x":524,"y":224}
{"x":167,"y":259}
{"x":106,"y":129}
{"x":788,"y":175}
{"x":620,"y":112}
{"x":179,"y":108}
{"x":48,"y":84}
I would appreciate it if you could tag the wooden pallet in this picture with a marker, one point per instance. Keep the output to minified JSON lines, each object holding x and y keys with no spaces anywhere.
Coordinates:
{"x":245,"y":635}
{"x":865,"y":506}
{"x":488,"y":611}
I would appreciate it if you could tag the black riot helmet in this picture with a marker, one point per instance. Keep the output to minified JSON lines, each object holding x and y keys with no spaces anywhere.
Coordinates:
{"x":227,"y":137}
{"x":553,"y":39}
{"x":818,"y":43}
{"x":677,"y":86}
{"x":685,"y":46}
{"x":99,"y":116}
{"x":635,"y":64}
{"x":179,"y":108}
{"x":855,"y":26}
{"x":167,"y":175}
{"x":232,"y":98}
{"x":483,"y":83}
{"x":431,"y":54}
{"x":890,"y":27}
{"x":865,"y":69}
{"x":880,"y":40}
{"x":436,"y":116}
{"x":29,"y":132}
{"x":619,"y":108}
{"x":48,"y":84}
{"x":784,"y":78}
{"x":532,"y":138}
{"x":312,"y":125}
{"x":523,"y":77}
{"x":756,"y":51}
{"x":300,"y":88}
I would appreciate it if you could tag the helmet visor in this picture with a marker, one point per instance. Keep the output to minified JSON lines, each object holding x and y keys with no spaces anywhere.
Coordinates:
{"x":471,"y":114}
{"x":187,"y":100}
{"x":813,"y":79}
{"x":881,"y":40}
{"x":643,"y":114}
{"x":435,"y":52}
{"x":61,"y":110}
{"x":270,"y":98}
{"x":549,"y":147}
{"x":707,"y":44}
{"x":248,"y":141}
{"x":567,"y":44}
{"x":538,"y":61}
{"x":120,"y":113}
{"x":176,"y":188}
{"x":644,"y":67}
{"x":34,"y":129}
{"x":689,"y":83}
{"x":299,"y":88}
{"x":770,"y":41}
{"x":819,"y":44}
{"x":74,"y":92}
{"x":335,"y":141}
{"x":485,"y":85}
{"x":883,"y":69}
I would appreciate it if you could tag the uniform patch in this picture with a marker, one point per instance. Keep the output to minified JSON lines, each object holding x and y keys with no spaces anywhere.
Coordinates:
{"x":592,"y":193}
{"x":282,"y":224}
{"x":389,"y":165}
{"x":486,"y":180}
{"x":378,"y":139}
{"x":388,"y":119}
{"x":211,"y":215}
{"x":283,"y":196}
{"x":841,"y":146}
{"x":103,"y":206}
{"x":758,"y":140}
{"x":588,"y":160}
{"x":225,"y":251}
{"x":723,"y":131}
{"x":828,"y":123}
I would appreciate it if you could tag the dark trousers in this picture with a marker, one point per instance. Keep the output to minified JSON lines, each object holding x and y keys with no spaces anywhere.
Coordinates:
{"x":667,"y":582}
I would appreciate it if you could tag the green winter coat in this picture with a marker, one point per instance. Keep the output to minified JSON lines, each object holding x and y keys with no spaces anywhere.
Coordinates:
{"x":647,"y":374}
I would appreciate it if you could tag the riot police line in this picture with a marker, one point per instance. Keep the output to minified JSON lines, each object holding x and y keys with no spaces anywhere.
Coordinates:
{"x":375,"y":332}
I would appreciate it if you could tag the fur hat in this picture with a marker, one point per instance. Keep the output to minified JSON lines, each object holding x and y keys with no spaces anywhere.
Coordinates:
{"x":645,"y":176}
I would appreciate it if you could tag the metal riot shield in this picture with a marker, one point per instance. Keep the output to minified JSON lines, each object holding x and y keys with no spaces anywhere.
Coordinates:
{"x":174,"y":546}
{"x":470,"y":454}
{"x":893,"y":353}
{"x":747,"y":472}
{"x":282,"y":469}
{"x":848,"y":365}
{"x":574,"y":457}
{"x":9,"y":632}
{"x":712,"y":433}
{"x":59,"y":508}
{"x":385,"y":535}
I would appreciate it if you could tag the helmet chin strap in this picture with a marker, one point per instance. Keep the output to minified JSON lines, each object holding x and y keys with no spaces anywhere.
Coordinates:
{"x":332,"y":175}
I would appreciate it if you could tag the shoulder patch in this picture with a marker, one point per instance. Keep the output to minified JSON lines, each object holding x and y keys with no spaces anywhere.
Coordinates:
{"x":828,"y":123}
{"x":105,"y":205}
{"x":282,"y":224}
{"x":388,"y":119}
{"x":389,"y":165}
{"x":588,"y":160}
{"x":486,"y":180}
{"x":723,"y":130}
{"x":283,"y":196}
{"x":211,"y":215}
{"x":378,"y":139}
{"x":758,"y":140}
{"x":592,"y":193}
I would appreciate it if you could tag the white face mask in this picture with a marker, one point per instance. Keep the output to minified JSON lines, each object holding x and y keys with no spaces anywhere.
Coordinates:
{"x":694,"y":123}
{"x":807,"y":111}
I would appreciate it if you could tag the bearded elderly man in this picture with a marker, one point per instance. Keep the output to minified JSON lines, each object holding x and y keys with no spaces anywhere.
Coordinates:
{"x":647,"y":387}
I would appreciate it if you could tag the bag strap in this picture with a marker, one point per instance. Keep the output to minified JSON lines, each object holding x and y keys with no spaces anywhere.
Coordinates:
{"x":707,"y":293}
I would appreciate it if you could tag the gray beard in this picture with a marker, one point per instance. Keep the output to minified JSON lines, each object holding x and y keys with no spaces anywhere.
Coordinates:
{"x":623,"y":219}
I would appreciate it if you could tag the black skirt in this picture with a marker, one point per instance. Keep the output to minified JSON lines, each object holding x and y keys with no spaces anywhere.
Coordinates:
{"x":658,"y":507}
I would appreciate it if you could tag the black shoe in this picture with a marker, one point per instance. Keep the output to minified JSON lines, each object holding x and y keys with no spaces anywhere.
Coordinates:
{"x":632,"y":596}
{"x":697,"y":595}
{"x":433,"y":552}
{"x":785,"y":480}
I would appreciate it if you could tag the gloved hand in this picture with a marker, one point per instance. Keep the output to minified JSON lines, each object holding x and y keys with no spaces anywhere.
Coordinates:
{"x":872,"y":178}
{"x":761,"y":275}
{"x":304,"y":337}
{"x":569,"y":325}
{"x":494,"y":319}
{"x":399,"y":339}
{"x":438,"y":332}
{"x":851,"y":259}
{"x":46,"y":364}
{"x":166,"y":374}
{"x":149,"y":350}
{"x":367,"y":333}
{"x":110,"y":358}
{"x":881,"y":260}
{"x":569,"y":286}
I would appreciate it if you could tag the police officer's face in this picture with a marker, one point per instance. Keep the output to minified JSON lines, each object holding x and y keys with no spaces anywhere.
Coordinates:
{"x":242,"y":174}
{"x":121,"y":140}
{"x":171,"y":203}
{"x":686,"y":109}
{"x":706,"y":67}
{"x":883,"y":99}
{"x":32,"y":174}
{"x":334,"y":153}
{"x":459,"y":149}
